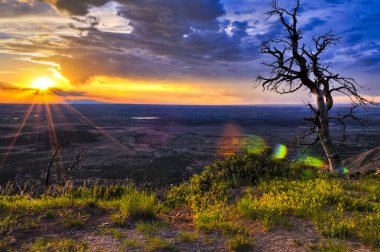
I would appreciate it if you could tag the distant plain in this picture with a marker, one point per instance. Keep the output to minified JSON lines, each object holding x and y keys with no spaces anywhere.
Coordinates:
{"x":157,"y":144}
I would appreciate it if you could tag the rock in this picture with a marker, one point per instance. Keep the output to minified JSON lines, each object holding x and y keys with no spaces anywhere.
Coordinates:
{"x":365,"y":163}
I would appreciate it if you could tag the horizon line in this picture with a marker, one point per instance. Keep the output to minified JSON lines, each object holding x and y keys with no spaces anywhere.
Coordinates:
{"x":163,"y":104}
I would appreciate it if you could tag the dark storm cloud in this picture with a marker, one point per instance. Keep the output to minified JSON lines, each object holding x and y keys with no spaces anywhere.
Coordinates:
{"x":78,"y":7}
{"x":313,"y":23}
{"x":63,"y":93}
{"x":198,"y":38}
{"x":169,"y":37}
{"x":17,"y":8}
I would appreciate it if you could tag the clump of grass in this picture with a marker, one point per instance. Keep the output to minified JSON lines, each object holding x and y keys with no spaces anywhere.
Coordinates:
{"x":129,"y":244}
{"x":187,"y":236}
{"x":119,"y":219}
{"x":330,"y":246}
{"x":215,"y":218}
{"x":49,"y":214}
{"x":158,"y":244}
{"x":100,"y":193}
{"x":6,"y":242}
{"x":334,"y":224}
{"x":115,"y":233}
{"x":284,"y":197}
{"x":239,"y":243}
{"x":368,"y":229}
{"x":137,"y":205}
{"x":74,"y":220}
{"x":42,"y":244}
{"x":150,"y":227}
{"x":15,"y":222}
{"x":352,"y":202}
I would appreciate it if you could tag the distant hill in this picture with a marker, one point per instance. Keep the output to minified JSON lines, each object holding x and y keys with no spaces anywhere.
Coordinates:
{"x":85,"y":102}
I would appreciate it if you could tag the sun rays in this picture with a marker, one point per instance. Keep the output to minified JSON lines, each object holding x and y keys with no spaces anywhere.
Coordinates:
{"x":44,"y":111}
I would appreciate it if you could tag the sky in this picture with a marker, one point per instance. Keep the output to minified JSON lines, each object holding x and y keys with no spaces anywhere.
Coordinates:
{"x":170,"y":51}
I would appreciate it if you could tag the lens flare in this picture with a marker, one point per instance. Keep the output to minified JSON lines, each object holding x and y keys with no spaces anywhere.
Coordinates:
{"x":313,"y":161}
{"x":345,"y":170}
{"x":254,"y":144}
{"x":230,"y":142}
{"x":281,"y":151}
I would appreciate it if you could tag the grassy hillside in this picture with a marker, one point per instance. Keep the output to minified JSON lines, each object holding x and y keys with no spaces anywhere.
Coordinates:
{"x":247,"y":202}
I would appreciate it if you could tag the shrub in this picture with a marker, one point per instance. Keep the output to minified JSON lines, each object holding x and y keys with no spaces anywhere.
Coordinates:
{"x":244,"y":169}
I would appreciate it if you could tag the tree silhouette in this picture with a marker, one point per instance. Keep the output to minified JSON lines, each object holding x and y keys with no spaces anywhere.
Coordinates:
{"x":299,"y":66}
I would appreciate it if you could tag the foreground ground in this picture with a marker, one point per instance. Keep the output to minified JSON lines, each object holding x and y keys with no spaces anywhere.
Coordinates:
{"x":245,"y":203}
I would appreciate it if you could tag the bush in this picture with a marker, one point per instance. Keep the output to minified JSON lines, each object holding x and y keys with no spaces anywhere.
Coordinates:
{"x":244,"y":169}
{"x":237,"y":170}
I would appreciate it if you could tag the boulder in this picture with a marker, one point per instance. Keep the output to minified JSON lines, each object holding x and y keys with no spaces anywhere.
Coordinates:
{"x":365,"y":163}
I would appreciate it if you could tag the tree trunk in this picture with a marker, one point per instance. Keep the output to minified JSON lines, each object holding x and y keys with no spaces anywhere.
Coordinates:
{"x":51,"y":162}
{"x":332,"y":155}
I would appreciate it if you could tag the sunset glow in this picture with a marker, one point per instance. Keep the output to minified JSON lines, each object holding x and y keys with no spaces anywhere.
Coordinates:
{"x":43,"y":84}
{"x":108,"y":54}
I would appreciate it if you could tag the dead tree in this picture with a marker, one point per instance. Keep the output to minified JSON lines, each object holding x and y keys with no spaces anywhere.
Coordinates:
{"x":297,"y":66}
{"x":56,"y":149}
{"x":65,"y":173}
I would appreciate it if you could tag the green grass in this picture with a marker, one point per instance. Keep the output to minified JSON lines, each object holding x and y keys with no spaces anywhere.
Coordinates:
{"x":150,"y":227}
{"x":74,"y":220}
{"x":115,"y":233}
{"x":137,"y":205}
{"x":158,"y":244}
{"x":229,"y":198}
{"x":15,"y":222}
{"x":186,"y":236}
{"x":239,"y":244}
{"x":59,"y":245}
{"x":281,"y":198}
{"x":128,"y":244}
{"x":330,"y":246}
{"x":334,"y":224}
{"x":368,"y":229}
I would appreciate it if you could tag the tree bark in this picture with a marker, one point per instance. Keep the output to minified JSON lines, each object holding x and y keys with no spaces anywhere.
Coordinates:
{"x":332,"y":155}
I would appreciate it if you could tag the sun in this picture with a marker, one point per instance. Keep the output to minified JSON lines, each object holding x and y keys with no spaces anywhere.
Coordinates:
{"x":43,"y":84}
